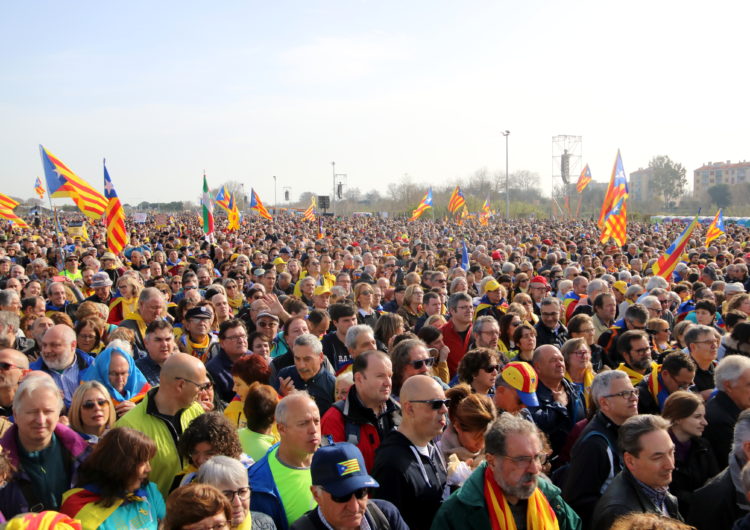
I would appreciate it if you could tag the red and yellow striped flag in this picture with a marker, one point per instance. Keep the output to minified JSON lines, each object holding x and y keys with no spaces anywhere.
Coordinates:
{"x":6,"y":202}
{"x":8,"y":214}
{"x":62,"y":182}
{"x":117,"y":236}
{"x":309,"y":214}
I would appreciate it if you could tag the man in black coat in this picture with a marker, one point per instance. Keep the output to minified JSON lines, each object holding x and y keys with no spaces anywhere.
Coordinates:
{"x":595,"y":458}
{"x":642,"y":486}
{"x":722,"y":501}
{"x":732,"y":378}
{"x":675,"y":373}
{"x":549,"y":329}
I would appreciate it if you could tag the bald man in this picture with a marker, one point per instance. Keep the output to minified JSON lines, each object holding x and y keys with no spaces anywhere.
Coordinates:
{"x":165,"y":413}
{"x":408,"y":464}
{"x":13,"y":365}
{"x":60,"y":359}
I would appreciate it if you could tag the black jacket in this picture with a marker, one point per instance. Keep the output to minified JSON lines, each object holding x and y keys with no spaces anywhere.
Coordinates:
{"x":594,"y":461}
{"x":416,"y":489}
{"x":312,"y":520}
{"x":625,"y":496}
{"x":721,"y":415}
{"x":715,"y":505}
{"x":646,"y":402}
{"x":545,"y":335}
{"x":693,"y":472}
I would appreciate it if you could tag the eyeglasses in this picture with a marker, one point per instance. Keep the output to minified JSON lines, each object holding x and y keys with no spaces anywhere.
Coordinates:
{"x":554,"y":314}
{"x":267,"y":324}
{"x":524,"y":461}
{"x":627,"y":394}
{"x":422,"y":362}
{"x":7,"y":366}
{"x":242,"y":493}
{"x":236,"y":337}
{"x":358,"y":494}
{"x":201,"y":387}
{"x":580,"y":353}
{"x":491,"y":368}
{"x":88,"y":405}
{"x":436,"y":404}
{"x":516,"y":323}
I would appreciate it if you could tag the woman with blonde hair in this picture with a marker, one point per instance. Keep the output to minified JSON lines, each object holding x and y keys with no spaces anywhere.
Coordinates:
{"x":411,"y":308}
{"x":125,"y":306}
{"x":91,"y":412}
{"x":578,"y":369}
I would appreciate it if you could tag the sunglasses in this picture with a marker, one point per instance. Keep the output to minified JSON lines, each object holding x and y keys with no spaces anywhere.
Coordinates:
{"x":435,"y":404}
{"x":491,"y":368}
{"x":358,"y":494}
{"x":7,"y":366}
{"x":88,"y":405}
{"x":430,"y":361}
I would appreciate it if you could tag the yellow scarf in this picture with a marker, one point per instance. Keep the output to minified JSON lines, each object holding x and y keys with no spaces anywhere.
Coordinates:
{"x":635,"y":377}
{"x":141,"y":324}
{"x":539,"y":514}
{"x":588,"y":380}
{"x":197,"y":349}
{"x":236,"y":303}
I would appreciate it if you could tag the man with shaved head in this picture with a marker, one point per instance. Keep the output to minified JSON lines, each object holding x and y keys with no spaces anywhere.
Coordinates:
{"x":166,"y":411}
{"x":408,"y":465}
{"x":61,"y":360}
{"x":13,"y":365}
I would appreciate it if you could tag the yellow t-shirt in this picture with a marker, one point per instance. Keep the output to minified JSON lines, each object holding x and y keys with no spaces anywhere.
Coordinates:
{"x":293,"y":484}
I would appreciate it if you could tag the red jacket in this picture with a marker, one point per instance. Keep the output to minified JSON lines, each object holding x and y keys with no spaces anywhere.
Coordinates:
{"x":365,"y":430}
{"x":456,"y":345}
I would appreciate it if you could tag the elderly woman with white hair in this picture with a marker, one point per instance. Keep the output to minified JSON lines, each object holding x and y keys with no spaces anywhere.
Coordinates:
{"x":230,"y":476}
{"x":45,"y":453}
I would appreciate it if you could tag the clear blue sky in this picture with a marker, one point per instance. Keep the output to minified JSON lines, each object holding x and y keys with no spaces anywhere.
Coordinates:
{"x":247,"y":90}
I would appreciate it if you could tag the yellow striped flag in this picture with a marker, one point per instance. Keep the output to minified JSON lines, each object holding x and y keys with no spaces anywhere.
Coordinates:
{"x":38,"y":188}
{"x":6,"y":202}
{"x":456,"y":200}
{"x":257,"y":205}
{"x":309,"y":214}
{"x":62,"y":182}
{"x":8,"y":214}
{"x":425,"y":203}
{"x":117,"y":235}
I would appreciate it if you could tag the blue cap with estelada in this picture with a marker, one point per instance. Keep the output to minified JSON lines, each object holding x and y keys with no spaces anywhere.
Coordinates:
{"x":340,"y":469}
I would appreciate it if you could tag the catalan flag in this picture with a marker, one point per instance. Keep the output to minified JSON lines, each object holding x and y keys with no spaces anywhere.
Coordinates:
{"x":6,"y":202}
{"x":309,"y":214}
{"x":613,"y":216}
{"x":716,"y":228}
{"x":62,"y":182}
{"x":223,"y":198}
{"x":257,"y":205}
{"x":583,"y":179}
{"x":423,"y":205}
{"x":666,"y":264}
{"x":114,"y":217}
{"x":484,"y":215}
{"x":618,"y":186}
{"x":456,"y":200}
{"x":348,"y":466}
{"x":207,"y":221}
{"x":7,"y":213}
{"x":463,"y":216}
{"x":38,"y":188}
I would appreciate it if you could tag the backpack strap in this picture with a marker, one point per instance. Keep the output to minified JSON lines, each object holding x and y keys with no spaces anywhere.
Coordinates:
{"x":380,"y":521}
{"x":610,"y":455}
{"x":351,"y":429}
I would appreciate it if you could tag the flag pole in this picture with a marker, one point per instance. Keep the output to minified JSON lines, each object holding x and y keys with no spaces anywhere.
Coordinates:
{"x":578,"y":208}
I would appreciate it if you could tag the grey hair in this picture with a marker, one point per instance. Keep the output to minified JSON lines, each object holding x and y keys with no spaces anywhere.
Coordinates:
{"x":608,"y":278}
{"x":730,"y":369}
{"x":624,"y":276}
{"x":596,"y":285}
{"x":745,"y":476}
{"x":7,"y":296}
{"x":353,"y":333}
{"x":551,"y":300}
{"x":147,"y":294}
{"x":455,"y":298}
{"x":602,"y":384}
{"x":571,"y":270}
{"x":282,"y":408}
{"x":695,"y":333}
{"x":656,"y":281}
{"x":10,"y":319}
{"x":650,"y":300}
{"x":631,"y":431}
{"x":571,"y":345}
{"x":31,"y":384}
{"x":39,"y":261}
{"x":633,"y":290}
{"x":220,"y":470}
{"x":741,"y":433}
{"x":308,"y":339}
{"x":499,"y":430}
{"x":122,"y":345}
{"x":480,"y":322}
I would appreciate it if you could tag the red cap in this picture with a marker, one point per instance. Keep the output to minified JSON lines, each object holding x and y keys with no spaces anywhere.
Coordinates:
{"x":546,"y":241}
{"x":540,"y":279}
{"x":496,"y":255}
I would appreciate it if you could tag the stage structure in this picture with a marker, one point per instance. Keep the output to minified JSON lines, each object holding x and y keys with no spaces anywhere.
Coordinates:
{"x":567,"y":163}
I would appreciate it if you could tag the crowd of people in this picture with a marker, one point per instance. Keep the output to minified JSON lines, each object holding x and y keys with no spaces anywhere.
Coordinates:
{"x":380,"y":374}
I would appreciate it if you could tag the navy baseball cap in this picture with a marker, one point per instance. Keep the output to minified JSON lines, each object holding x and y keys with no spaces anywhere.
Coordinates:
{"x":200,"y":312}
{"x":340,"y":469}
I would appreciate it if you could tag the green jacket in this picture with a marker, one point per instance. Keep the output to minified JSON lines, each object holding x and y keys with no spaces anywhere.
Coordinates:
{"x":167,"y":462}
{"x":466,"y":507}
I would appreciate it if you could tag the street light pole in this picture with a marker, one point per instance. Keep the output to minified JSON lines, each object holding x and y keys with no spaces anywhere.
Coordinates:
{"x":507,"y":192}
{"x":333,"y":192}
{"x":275,"y":204}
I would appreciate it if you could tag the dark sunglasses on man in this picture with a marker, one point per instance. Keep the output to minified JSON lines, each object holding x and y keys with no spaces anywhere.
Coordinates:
{"x":430,"y":361}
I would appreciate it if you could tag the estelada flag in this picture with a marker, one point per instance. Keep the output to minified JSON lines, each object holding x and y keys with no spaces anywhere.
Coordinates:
{"x":583,"y":179}
{"x":62,"y":182}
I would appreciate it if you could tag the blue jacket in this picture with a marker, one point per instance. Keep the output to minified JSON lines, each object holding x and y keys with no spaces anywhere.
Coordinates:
{"x":266,"y":497}
{"x":83,"y":361}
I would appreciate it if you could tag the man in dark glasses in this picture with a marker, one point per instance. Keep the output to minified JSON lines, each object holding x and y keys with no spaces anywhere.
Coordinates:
{"x":341,"y":487}
{"x":408,"y":465}
{"x":13,"y":364}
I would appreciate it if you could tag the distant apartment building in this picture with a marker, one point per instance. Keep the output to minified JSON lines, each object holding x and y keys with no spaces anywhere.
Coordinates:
{"x":639,"y":187}
{"x":714,"y":173}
